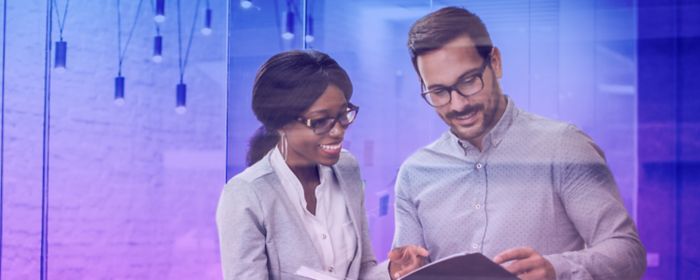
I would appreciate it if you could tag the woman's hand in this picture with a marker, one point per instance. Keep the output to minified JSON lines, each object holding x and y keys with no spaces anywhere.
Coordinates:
{"x":403,"y":260}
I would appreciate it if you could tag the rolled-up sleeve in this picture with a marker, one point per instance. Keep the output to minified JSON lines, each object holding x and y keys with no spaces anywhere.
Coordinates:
{"x":592,"y":202}
{"x":408,"y":229}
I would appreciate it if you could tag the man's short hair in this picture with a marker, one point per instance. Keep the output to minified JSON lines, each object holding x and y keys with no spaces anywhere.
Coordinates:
{"x":438,"y":28}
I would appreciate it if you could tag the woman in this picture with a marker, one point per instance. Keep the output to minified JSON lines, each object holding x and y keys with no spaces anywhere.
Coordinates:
{"x":300,"y":201}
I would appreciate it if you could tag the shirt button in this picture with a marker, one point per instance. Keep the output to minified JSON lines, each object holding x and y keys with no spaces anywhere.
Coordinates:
{"x":477,"y":206}
{"x":474,"y":245}
{"x":330,"y":269}
{"x":324,"y":236}
{"x":479,"y":165}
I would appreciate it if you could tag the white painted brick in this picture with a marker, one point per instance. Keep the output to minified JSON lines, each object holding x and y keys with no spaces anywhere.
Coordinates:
{"x":121,"y":205}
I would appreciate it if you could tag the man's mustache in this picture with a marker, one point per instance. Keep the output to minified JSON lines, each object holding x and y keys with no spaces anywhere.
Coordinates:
{"x":465,"y":111}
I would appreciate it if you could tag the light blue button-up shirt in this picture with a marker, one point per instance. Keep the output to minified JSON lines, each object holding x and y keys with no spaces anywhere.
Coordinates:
{"x":537,"y":183}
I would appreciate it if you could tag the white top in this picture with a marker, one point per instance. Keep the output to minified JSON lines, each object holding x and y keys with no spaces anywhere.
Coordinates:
{"x":331,"y":229}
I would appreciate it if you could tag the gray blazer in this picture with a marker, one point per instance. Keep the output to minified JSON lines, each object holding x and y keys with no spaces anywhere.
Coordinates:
{"x":262,"y":237}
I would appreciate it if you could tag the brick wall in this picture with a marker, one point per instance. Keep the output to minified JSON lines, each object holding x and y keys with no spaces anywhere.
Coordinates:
{"x":132,"y":189}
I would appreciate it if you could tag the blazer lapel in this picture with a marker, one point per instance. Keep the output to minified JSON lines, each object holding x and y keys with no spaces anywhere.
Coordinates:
{"x":349,"y":184}
{"x":276,"y":184}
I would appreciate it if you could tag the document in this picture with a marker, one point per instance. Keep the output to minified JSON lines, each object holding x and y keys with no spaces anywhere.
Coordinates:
{"x":461,"y":266}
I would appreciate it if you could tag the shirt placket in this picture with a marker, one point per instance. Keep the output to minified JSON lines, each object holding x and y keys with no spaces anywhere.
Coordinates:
{"x":322,"y":229}
{"x":476,"y":164}
{"x":478,"y":203}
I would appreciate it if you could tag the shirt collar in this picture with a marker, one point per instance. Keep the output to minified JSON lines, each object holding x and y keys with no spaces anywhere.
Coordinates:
{"x":290,"y":183}
{"x":495,"y":135}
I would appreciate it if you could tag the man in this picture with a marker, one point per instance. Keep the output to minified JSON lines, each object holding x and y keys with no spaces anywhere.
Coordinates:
{"x":534,"y":194}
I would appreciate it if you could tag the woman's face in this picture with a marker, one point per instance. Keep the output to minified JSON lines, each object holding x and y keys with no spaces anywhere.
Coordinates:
{"x":304,"y":146}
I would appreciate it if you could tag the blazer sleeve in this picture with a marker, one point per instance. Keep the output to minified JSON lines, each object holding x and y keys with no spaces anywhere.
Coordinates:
{"x":370,"y":269}
{"x":239,"y":219}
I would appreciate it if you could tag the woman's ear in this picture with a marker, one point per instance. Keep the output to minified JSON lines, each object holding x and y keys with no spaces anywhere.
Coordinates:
{"x":282,"y":131}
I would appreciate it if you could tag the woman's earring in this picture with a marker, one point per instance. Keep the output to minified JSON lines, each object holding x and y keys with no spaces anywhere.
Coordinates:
{"x":283,"y":137}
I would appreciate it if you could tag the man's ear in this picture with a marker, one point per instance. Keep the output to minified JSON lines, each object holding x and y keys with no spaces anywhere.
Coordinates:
{"x":496,"y":63}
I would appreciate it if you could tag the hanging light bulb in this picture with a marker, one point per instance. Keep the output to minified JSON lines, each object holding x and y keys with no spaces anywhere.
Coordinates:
{"x":309,"y":30}
{"x":246,"y":4}
{"x":181,"y":102}
{"x":206,"y":30}
{"x":288,"y":33}
{"x":59,"y":64}
{"x":119,"y":90}
{"x":157,"y":49}
{"x":160,"y":11}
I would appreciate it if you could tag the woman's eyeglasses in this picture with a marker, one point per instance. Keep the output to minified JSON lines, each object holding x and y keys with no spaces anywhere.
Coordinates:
{"x":324,"y":125}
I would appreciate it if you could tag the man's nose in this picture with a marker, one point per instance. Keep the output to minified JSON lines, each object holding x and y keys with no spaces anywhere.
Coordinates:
{"x":457,"y":100}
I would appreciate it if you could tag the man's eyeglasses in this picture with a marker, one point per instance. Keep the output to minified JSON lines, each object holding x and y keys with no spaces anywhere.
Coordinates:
{"x":466,"y":86}
{"x":324,"y":125}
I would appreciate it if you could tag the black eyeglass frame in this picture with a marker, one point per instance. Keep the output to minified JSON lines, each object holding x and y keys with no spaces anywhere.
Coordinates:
{"x":455,"y":86}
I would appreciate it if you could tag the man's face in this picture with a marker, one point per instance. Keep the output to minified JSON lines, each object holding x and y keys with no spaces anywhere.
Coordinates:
{"x":470,"y":118}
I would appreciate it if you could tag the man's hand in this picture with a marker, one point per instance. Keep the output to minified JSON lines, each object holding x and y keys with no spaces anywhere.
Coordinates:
{"x":527,"y":264}
{"x":403,"y":260}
